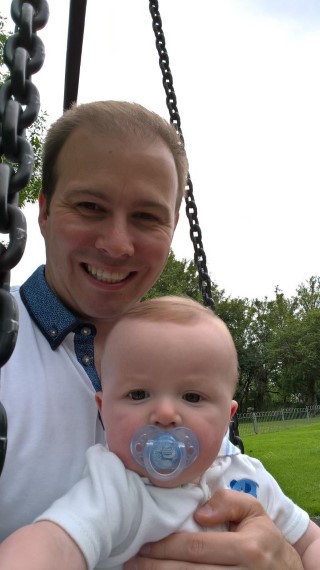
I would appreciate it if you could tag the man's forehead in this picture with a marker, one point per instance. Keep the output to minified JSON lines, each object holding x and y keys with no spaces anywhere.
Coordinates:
{"x":114,"y":134}
{"x":86,"y":140}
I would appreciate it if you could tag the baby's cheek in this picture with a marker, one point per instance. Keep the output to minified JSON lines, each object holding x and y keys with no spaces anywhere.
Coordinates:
{"x":208,"y":452}
{"x":119,"y":440}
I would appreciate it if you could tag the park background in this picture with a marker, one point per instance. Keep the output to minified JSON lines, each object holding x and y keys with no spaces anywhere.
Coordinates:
{"x":245,"y":72}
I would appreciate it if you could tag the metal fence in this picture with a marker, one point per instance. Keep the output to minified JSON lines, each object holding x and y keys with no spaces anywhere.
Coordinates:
{"x":252,"y":423}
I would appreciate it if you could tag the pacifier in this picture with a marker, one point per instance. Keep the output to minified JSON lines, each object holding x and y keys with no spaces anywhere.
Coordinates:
{"x":164,"y":454}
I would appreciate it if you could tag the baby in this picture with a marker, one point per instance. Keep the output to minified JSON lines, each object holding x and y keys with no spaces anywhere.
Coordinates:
{"x":168,"y":373}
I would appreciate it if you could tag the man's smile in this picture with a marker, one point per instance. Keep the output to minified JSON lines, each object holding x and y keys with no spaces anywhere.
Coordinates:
{"x":107,"y":276}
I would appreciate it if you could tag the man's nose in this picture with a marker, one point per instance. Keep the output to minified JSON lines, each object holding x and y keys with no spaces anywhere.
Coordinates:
{"x":114,"y":238}
{"x":165,"y":413}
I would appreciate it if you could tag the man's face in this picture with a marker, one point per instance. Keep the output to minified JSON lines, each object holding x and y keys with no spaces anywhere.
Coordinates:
{"x":110,"y":223}
{"x":168,"y":375}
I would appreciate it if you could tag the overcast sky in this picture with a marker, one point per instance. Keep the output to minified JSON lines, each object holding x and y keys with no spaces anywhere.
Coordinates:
{"x":247,"y":80}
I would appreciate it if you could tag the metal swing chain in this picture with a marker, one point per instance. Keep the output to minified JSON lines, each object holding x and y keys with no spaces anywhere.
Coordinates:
{"x":19,"y":107}
{"x":3,"y":436}
{"x":191,"y":209}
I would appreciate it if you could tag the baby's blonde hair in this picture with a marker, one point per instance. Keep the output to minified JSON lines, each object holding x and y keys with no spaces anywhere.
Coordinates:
{"x":169,"y":308}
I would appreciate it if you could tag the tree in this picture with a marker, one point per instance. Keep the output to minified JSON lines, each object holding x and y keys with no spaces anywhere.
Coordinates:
{"x":254,"y":325}
{"x":237,"y":314}
{"x":35,"y":133}
{"x":296,"y":346}
{"x":308,"y":295}
{"x":179,"y":277}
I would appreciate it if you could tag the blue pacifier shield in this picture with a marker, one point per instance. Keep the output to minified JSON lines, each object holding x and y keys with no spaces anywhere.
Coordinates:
{"x":164,"y":454}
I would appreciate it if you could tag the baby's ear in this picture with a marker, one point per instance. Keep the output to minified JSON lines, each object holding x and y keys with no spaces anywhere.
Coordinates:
{"x":234,"y":407}
{"x":99,"y":401}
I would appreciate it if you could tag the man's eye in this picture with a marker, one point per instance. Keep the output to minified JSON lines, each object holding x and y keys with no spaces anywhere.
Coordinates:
{"x":192,"y":397}
{"x":138,"y":395}
{"x":89,"y":206}
{"x":145,"y":216}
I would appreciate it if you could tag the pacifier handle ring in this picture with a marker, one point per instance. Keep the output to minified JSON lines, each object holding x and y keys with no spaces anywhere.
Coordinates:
{"x":145,"y":454}
{"x":149,"y":466}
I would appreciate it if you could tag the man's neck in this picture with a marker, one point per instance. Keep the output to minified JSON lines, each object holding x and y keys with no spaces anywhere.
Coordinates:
{"x":103,"y":329}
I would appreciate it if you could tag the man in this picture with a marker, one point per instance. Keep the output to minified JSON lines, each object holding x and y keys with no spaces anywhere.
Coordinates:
{"x":113,"y":180}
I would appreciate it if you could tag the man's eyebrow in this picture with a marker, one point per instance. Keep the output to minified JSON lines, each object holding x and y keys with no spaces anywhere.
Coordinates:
{"x":151,"y":204}
{"x":87,"y":192}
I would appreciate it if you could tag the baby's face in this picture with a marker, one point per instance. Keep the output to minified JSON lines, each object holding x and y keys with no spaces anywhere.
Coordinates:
{"x":168,"y":375}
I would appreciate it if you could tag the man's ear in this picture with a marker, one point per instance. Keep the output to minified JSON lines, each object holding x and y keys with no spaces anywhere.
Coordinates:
{"x":43,"y":212}
{"x":234,"y":407}
{"x":99,"y":401}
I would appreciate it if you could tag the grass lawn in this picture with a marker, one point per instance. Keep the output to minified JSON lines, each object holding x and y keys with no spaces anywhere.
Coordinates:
{"x":293,"y":458}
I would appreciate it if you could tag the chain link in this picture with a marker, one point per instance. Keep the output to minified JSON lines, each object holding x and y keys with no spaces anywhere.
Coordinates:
{"x":3,"y":435}
{"x":191,"y":209}
{"x":19,"y":107}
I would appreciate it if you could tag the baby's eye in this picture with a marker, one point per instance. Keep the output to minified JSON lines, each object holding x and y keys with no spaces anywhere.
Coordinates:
{"x":138,"y":395}
{"x":192,"y":397}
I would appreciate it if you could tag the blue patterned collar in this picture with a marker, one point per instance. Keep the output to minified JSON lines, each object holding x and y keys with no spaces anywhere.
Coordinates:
{"x":53,"y":319}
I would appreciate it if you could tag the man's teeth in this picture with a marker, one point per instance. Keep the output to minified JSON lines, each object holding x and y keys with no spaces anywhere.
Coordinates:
{"x":106,"y":276}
